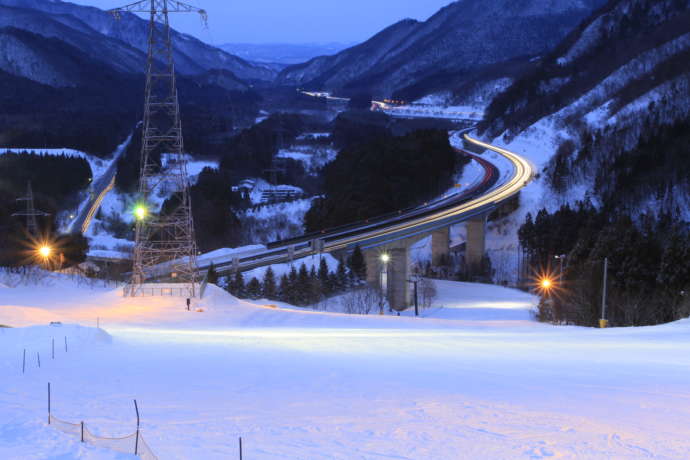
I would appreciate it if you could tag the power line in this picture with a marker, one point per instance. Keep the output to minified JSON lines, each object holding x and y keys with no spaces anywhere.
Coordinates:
{"x":166,"y":237}
{"x":30,"y":213}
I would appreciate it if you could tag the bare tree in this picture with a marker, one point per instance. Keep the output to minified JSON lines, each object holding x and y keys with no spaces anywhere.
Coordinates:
{"x":362,"y":300}
{"x":427,"y":292}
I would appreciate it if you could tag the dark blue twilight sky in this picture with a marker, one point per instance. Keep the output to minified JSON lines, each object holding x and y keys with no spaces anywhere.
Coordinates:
{"x":294,"y":21}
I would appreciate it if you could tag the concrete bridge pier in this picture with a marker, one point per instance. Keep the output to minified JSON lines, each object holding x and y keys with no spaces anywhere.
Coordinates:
{"x":476,"y":244}
{"x":440,"y":246}
{"x":398,"y":268}
{"x":388,"y":268}
{"x":372,"y":257}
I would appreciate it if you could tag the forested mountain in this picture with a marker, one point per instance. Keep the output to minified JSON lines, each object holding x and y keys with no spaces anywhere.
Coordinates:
{"x":121,"y":44}
{"x":103,"y":109}
{"x":72,"y":76}
{"x":617,"y":90}
{"x":467,"y":37}
{"x":607,"y":113}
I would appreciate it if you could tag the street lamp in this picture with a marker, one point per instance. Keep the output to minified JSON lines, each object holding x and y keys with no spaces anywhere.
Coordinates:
{"x":383,"y":278}
{"x":45,"y":251}
{"x":560,"y":259}
{"x":603,"y":322}
{"x":416,"y":298}
{"x":140,"y":212}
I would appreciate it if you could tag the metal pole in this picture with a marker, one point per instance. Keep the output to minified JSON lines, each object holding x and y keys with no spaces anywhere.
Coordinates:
{"x":82,"y":431}
{"x":240,"y":447}
{"x":603,"y":296}
{"x":38,"y":359}
{"x":136,"y":442}
{"x":65,"y":344}
{"x":53,"y":349}
{"x":416,"y":301}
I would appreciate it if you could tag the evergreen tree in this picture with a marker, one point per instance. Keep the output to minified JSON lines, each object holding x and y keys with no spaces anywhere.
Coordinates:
{"x":343,"y":279}
{"x":269,"y":285}
{"x":333,"y":283}
{"x":315,"y":288}
{"x":674,"y":270}
{"x":236,"y":286}
{"x":324,"y":277}
{"x":292,"y":295}
{"x":358,"y":266}
{"x":212,"y":275}
{"x":254,"y":289}
{"x":284,"y":289}
{"x":303,"y":287}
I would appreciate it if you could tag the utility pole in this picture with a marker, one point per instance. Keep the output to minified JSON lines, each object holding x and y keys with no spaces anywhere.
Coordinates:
{"x":603,"y":322}
{"x":30,"y":213}
{"x":170,"y":237}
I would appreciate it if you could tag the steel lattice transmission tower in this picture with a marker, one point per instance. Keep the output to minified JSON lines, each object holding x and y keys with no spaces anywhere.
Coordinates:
{"x":164,"y":241}
{"x":31,"y":212}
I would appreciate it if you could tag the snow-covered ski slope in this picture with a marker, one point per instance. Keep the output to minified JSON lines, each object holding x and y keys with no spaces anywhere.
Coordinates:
{"x":476,"y":379}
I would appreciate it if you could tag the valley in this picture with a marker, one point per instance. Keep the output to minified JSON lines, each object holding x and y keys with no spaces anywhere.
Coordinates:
{"x":464,"y":237}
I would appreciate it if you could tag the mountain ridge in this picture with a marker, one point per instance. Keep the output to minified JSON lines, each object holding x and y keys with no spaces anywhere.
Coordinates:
{"x":459,"y":40}
{"x":124,"y":36}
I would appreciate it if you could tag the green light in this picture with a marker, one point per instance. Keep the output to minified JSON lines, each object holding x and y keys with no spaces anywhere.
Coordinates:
{"x":140,"y":212}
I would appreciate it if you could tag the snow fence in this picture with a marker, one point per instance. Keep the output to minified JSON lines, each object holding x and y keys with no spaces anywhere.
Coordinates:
{"x":131,"y":444}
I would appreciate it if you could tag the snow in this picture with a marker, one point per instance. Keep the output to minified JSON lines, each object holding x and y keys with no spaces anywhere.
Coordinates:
{"x":84,"y":206}
{"x":101,"y":242}
{"x":539,"y":142}
{"x":194,"y":166}
{"x":258,"y":195}
{"x":104,"y":244}
{"x":438,"y":99}
{"x":595,"y":101}
{"x":460,"y":112}
{"x":476,"y":380}
{"x":295,"y":155}
{"x":226,"y":254}
{"x":274,"y":222}
{"x":305,"y":136}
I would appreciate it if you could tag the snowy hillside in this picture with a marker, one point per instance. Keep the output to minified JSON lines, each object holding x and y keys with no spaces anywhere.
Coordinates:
{"x":594,"y":114}
{"x":476,"y":380}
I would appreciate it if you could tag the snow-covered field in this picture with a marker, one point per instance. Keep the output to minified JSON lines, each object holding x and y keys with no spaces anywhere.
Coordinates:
{"x":475,"y":379}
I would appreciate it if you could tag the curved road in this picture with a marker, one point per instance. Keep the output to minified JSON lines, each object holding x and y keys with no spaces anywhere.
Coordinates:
{"x":390,"y":228}
{"x":102,"y":186}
